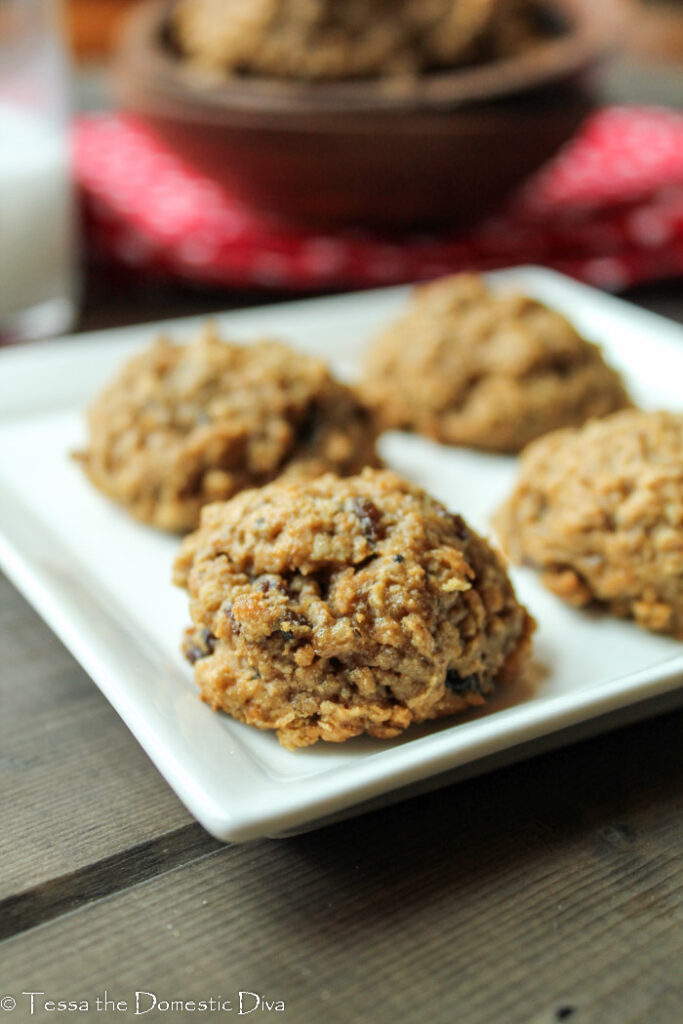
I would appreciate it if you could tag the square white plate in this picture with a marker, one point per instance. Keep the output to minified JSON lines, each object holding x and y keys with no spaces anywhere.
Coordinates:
{"x":101,"y":581}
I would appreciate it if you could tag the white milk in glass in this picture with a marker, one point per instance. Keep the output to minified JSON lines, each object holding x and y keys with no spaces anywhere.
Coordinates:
{"x":36,"y":214}
{"x":37,"y":250}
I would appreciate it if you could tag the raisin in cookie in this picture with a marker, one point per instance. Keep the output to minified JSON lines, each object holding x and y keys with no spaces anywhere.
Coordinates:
{"x":599,"y":511}
{"x":318,"y":39}
{"x":183,"y":425}
{"x":334,"y":607}
{"x":484,"y":369}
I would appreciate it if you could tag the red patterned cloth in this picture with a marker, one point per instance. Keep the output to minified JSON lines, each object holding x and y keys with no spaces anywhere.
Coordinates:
{"x":608,"y":210}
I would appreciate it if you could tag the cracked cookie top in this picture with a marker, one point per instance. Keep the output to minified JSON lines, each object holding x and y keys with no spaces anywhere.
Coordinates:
{"x":336,"y":606}
{"x":183,"y":425}
{"x":491,"y":370}
{"x":599,"y":511}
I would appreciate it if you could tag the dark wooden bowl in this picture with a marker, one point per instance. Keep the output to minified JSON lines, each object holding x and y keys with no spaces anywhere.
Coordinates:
{"x":444,"y":148}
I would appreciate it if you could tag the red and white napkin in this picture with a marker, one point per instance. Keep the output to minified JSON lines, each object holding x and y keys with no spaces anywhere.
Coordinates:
{"x":607,"y":210}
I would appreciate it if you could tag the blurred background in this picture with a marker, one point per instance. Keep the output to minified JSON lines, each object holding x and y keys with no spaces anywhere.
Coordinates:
{"x":210,"y":168}
{"x":657,"y":27}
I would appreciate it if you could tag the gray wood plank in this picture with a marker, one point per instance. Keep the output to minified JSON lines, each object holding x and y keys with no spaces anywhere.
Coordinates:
{"x":76,"y":786}
{"x":122,"y":870}
{"x":549,"y":891}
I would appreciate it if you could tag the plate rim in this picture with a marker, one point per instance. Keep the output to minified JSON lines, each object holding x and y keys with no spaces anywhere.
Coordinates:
{"x":342,"y":787}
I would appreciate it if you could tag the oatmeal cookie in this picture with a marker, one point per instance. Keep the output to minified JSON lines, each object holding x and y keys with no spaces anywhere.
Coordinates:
{"x":318,"y":39}
{"x":334,"y":607}
{"x":519,"y":26}
{"x":183,"y":425}
{"x":599,"y":511}
{"x":489,"y":370}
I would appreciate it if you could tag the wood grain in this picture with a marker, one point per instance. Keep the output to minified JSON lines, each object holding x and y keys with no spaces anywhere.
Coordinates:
{"x":548,"y":891}
{"x":95,"y":881}
{"x":76,"y":785}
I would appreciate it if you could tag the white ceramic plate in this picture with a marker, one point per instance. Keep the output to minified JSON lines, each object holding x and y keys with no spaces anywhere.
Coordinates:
{"x":102,"y":581}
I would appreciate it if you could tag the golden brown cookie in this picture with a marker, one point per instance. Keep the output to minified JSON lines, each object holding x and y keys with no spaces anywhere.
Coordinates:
{"x":318,"y":39}
{"x":183,"y":425}
{"x":486,"y":369}
{"x":334,"y":607}
{"x":599,"y":511}
{"x":518,"y":26}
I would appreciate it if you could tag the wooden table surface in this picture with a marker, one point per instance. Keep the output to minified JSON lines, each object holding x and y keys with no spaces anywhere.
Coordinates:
{"x":547,"y":891}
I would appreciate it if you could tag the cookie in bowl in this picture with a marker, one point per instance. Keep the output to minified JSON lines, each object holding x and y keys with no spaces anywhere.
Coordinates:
{"x":183,"y":425}
{"x":267,"y":99}
{"x":328,"y":608}
{"x":599,"y":512}
{"x":467,"y":365}
{"x":325,"y":39}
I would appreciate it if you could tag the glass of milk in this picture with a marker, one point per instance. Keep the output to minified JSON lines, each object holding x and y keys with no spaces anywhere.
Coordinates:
{"x":37,"y":222}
